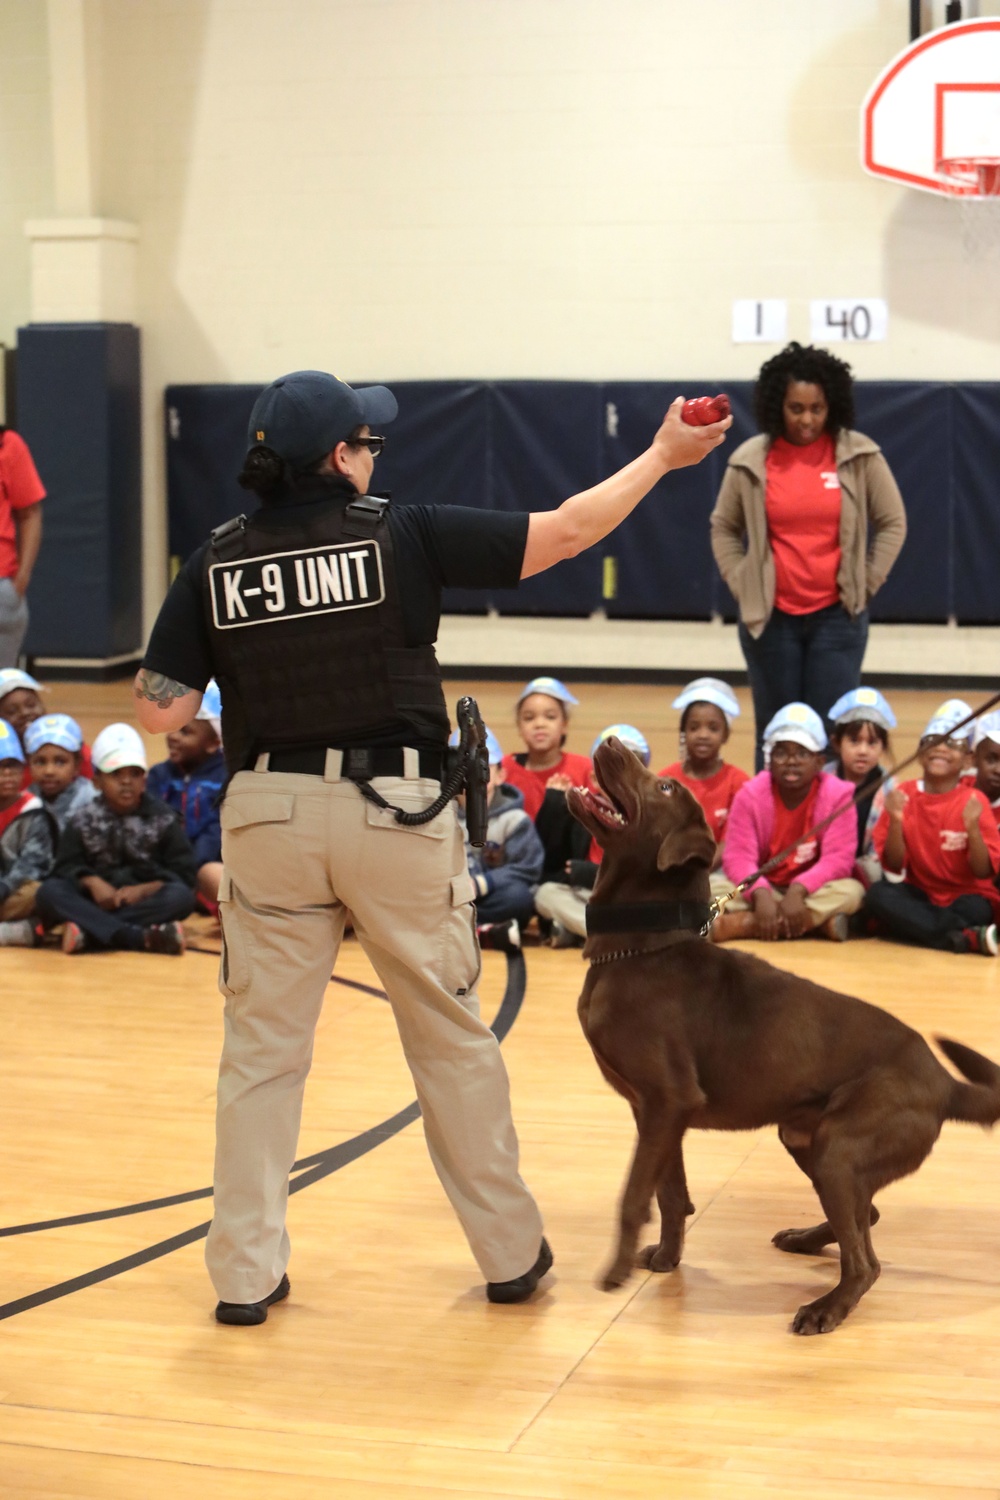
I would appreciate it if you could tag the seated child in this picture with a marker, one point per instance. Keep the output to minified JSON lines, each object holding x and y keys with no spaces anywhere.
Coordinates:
{"x":190,"y":780}
{"x":986,"y":749}
{"x":861,"y":722}
{"x":563,"y":900}
{"x":544,"y":772}
{"x":708,"y":707}
{"x":21,"y":705}
{"x":124,"y":873}
{"x":812,"y":887}
{"x":940,"y":835}
{"x":507,"y":868}
{"x":53,"y":745}
{"x":27,"y":846}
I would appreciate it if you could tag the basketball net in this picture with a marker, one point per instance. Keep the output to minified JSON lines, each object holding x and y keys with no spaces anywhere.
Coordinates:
{"x":977,"y":188}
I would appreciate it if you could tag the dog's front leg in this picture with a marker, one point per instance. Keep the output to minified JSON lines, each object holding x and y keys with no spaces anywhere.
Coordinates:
{"x":657,"y":1156}
{"x":674,"y":1204}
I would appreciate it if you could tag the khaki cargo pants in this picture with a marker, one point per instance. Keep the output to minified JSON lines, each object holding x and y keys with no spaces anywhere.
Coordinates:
{"x":299,"y":851}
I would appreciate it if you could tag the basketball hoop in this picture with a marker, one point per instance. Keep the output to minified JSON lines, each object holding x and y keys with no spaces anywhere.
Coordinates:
{"x":973,"y":176}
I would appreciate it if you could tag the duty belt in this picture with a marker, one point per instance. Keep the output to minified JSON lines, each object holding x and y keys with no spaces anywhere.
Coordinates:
{"x":357,"y":765}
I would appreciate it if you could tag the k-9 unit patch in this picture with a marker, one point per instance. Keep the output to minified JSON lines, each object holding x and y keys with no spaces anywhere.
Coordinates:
{"x":288,"y":585}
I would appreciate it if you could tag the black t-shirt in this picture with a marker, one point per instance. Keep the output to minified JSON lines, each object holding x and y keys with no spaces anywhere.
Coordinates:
{"x":435,"y":546}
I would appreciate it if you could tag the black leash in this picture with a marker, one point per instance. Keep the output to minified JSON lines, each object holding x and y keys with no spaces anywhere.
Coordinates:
{"x":720,"y":903}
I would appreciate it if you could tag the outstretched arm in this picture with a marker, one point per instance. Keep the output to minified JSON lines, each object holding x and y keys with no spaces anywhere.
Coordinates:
{"x":163,"y":704}
{"x":584,"y":519}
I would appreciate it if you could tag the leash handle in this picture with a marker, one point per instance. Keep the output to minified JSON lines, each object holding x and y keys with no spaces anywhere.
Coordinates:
{"x":721,"y":902}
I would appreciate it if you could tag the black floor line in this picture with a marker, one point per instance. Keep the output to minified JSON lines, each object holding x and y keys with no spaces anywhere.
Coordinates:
{"x":311,"y":1169}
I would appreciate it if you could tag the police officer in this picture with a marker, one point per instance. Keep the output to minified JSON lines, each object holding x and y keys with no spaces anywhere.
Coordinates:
{"x":318,"y":616}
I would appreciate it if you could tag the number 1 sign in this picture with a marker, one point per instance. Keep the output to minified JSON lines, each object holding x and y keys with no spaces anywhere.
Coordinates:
{"x":848,"y":320}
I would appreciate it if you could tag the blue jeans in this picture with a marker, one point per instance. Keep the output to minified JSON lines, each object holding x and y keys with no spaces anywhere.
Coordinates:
{"x":803,"y":659}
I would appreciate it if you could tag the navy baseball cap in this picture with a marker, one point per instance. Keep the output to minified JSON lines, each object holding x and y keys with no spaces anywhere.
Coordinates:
{"x":302,"y":416}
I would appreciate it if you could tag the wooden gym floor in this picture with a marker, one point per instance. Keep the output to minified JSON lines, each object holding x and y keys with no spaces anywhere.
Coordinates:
{"x":386,"y":1374}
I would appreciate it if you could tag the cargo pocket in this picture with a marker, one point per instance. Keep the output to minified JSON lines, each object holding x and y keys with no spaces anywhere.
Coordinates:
{"x":459,"y":959}
{"x":234,"y":963}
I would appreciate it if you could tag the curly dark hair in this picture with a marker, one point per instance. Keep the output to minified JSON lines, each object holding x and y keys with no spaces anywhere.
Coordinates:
{"x":818,"y":367}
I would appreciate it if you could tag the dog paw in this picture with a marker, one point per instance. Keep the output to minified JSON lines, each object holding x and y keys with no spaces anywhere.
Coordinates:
{"x":821,"y":1316}
{"x":615,"y":1276}
{"x":658,"y":1258}
{"x":802,"y":1241}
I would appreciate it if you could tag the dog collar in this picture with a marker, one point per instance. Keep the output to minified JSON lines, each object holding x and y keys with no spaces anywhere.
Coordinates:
{"x":650,"y":916}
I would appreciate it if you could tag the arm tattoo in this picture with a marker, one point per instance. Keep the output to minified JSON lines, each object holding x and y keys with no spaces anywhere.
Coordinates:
{"x":158,"y":688}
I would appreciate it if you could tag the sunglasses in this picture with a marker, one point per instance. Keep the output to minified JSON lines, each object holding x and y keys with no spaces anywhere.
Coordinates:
{"x":782,"y":753}
{"x":931,"y":741}
{"x":373,"y":444}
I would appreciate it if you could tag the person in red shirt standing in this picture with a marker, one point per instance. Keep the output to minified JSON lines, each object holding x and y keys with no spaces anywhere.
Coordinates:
{"x":807,"y":524}
{"x":708,"y":707}
{"x":21,"y":496}
{"x":940,"y":835}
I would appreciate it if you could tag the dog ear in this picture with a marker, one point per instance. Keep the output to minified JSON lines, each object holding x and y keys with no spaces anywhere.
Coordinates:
{"x":693,"y":844}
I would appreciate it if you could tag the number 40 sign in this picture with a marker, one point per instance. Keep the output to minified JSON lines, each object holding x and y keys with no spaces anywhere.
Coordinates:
{"x":848,"y":320}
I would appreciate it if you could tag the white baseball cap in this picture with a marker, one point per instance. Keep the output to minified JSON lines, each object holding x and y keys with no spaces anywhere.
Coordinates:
{"x":13,"y":677}
{"x":986,"y":728}
{"x":211,"y":707}
{"x":116,"y":746}
{"x":709,"y":690}
{"x":551,"y":687}
{"x":800,"y":724}
{"x":947,"y":716}
{"x":860,"y":706}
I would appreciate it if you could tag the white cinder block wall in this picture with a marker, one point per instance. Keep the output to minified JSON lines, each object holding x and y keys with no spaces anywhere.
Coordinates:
{"x":451,"y":188}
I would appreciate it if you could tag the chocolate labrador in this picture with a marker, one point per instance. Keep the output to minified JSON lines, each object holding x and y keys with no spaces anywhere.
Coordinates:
{"x":694,"y":1035}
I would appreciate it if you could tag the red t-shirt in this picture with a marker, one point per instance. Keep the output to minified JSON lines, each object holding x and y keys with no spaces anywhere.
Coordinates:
{"x":802,"y":500}
{"x":8,"y":814}
{"x":20,"y":487}
{"x":790,"y":823}
{"x":532,"y":784}
{"x":937,"y":859}
{"x":715,"y":793}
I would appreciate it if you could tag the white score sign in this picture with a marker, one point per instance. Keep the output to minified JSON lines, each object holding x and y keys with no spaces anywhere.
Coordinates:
{"x":848,"y":320}
{"x":762,"y":321}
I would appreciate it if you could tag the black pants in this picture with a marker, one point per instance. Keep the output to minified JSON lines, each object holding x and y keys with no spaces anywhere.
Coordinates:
{"x":909,"y":915}
{"x":64,"y":901}
{"x":803,"y":659}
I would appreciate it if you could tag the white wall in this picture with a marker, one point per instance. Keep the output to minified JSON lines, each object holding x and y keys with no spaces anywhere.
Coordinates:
{"x":541,"y":188}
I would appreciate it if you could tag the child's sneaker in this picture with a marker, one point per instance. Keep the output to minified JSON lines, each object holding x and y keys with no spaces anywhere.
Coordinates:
{"x":17,"y":934}
{"x":562,"y":937}
{"x":164,"y":937}
{"x":504,"y":936}
{"x":74,"y":939}
{"x":982,"y":940}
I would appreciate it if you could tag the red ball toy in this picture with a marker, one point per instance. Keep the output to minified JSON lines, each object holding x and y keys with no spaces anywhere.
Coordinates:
{"x":703,"y":410}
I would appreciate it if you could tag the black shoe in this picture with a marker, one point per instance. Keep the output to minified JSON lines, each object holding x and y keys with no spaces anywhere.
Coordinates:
{"x":521,"y":1288}
{"x":246,"y":1313}
{"x":164,"y":937}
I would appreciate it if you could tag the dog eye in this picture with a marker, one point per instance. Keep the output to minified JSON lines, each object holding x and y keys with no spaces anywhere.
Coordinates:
{"x":667,"y":788}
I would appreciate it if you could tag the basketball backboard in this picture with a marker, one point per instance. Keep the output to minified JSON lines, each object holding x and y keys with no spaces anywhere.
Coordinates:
{"x":931,"y":119}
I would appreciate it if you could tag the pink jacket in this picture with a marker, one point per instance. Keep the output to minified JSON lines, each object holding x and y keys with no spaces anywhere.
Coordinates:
{"x":751,"y":823}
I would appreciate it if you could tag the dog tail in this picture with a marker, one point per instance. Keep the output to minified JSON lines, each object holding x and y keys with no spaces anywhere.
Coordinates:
{"x":977,"y":1101}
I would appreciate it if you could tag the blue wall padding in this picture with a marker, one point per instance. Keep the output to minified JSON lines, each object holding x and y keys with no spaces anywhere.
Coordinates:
{"x":79,"y":411}
{"x":528,"y":444}
{"x":976,"y":485}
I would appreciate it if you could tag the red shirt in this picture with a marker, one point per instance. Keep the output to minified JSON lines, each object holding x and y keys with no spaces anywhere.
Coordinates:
{"x":21,"y":801}
{"x":802,"y":501}
{"x":790,"y":823}
{"x":532,"y":784}
{"x":20,"y":487}
{"x":715,"y":793}
{"x":937,"y":844}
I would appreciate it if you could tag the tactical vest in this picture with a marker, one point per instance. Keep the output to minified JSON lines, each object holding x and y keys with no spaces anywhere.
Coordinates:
{"x":307,"y":636}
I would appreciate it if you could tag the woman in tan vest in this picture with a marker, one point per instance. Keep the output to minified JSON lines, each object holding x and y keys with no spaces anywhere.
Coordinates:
{"x":806,"y":527}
